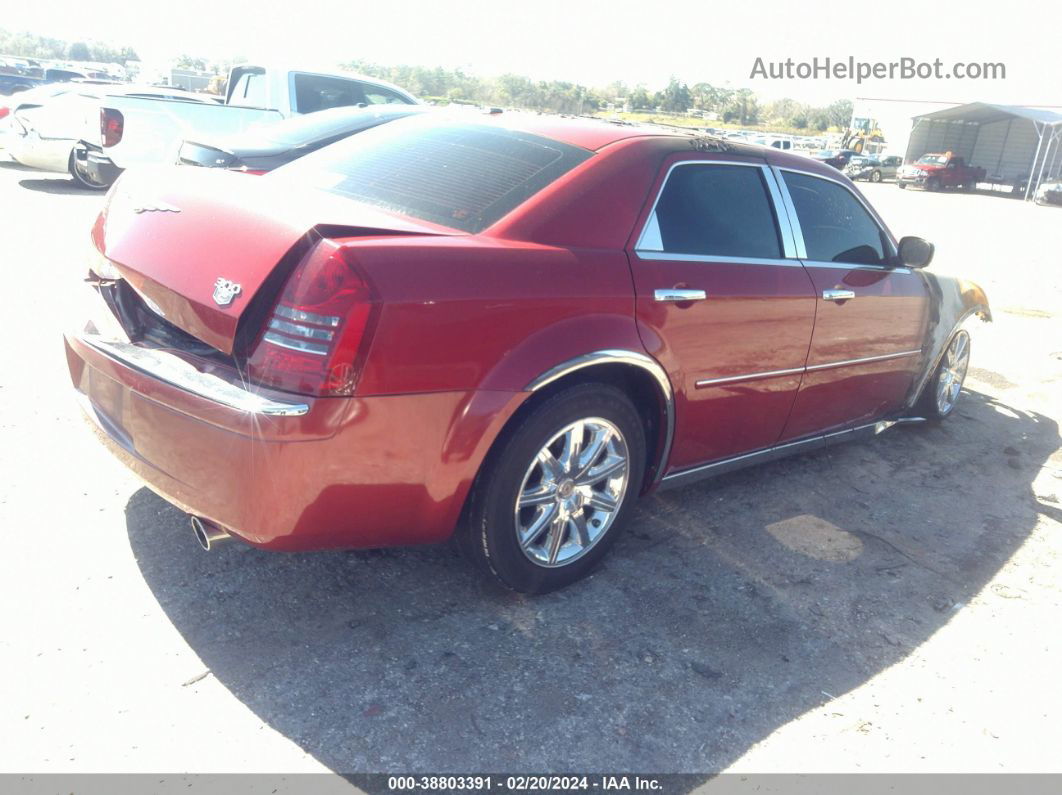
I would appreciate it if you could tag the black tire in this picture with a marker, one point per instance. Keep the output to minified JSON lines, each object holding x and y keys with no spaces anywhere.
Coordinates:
{"x":929,"y":404}
{"x":875,"y":176}
{"x":489,"y":534}
{"x":933,"y":184}
{"x":901,"y":185}
{"x":81,"y":179}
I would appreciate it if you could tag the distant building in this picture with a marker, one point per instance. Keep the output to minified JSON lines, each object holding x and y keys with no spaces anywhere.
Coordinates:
{"x":1017,"y":146}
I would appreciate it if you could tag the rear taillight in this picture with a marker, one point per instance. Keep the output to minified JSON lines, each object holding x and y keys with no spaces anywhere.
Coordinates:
{"x":112,"y":125}
{"x":4,"y":111}
{"x":315,"y":337}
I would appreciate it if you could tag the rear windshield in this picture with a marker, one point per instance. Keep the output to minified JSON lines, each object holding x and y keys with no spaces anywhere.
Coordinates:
{"x":460,"y":175}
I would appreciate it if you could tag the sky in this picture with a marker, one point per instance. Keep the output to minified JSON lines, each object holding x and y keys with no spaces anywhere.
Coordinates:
{"x":594,"y":43}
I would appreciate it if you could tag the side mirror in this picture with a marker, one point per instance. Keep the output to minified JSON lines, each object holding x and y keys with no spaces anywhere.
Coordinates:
{"x":915,"y":252}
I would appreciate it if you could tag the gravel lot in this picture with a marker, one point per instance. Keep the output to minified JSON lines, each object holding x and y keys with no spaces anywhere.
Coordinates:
{"x":892,"y":605}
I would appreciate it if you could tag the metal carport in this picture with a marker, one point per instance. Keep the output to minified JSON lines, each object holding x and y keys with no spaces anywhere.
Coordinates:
{"x":1015,"y":145}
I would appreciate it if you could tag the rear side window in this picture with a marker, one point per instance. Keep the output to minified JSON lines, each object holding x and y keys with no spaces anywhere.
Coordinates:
{"x":714,"y":210}
{"x":464,"y":176}
{"x":318,"y":92}
{"x":836,"y":226}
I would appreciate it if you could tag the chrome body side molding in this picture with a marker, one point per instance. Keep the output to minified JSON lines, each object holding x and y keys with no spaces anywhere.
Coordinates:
{"x":810,"y":368}
{"x":818,"y":442}
{"x":630,"y":358}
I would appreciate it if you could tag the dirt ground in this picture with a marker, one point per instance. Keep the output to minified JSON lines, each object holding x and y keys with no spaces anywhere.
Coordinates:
{"x":887,"y":606}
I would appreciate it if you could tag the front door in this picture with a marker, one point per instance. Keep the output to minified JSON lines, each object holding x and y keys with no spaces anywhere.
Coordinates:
{"x":720,"y":304}
{"x":871,"y":316}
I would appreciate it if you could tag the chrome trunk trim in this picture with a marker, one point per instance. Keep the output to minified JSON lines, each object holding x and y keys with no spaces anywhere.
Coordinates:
{"x":180,"y":374}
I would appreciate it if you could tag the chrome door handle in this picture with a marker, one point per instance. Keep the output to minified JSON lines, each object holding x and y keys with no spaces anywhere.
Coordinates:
{"x":677,"y":295}
{"x":837,"y":295}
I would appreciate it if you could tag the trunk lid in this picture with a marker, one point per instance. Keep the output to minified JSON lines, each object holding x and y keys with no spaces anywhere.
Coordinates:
{"x":198,"y":244}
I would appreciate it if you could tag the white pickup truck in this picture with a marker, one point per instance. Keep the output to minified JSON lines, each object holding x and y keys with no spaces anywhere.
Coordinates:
{"x":135,"y":131}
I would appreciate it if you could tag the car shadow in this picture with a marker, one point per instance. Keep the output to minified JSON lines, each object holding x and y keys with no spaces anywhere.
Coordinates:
{"x":727,"y":610}
{"x":57,"y":185}
{"x":14,"y":165}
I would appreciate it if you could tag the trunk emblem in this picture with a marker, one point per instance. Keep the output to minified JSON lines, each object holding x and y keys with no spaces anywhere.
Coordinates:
{"x":225,"y":291}
{"x":157,"y":207}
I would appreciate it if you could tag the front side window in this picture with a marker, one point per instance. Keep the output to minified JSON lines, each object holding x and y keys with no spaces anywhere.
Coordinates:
{"x":836,"y":227}
{"x":714,"y":210}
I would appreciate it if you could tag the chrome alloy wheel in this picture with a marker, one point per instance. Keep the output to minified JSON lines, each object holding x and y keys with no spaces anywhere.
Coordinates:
{"x":572,"y":492}
{"x":953,"y":372}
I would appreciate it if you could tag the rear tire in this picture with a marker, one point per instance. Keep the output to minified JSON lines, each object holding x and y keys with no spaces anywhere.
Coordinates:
{"x":901,"y":185}
{"x":553,"y":495}
{"x":941,"y":392}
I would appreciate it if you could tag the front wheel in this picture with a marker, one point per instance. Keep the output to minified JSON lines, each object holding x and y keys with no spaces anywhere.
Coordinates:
{"x":941,"y":392}
{"x":875,"y":176}
{"x":901,"y":185}
{"x":933,"y":184}
{"x":552,"y":498}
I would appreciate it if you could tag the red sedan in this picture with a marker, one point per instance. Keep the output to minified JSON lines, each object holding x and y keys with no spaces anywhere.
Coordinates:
{"x":506,"y":326}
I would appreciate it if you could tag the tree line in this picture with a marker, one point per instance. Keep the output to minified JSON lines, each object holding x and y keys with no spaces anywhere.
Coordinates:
{"x":30,"y":45}
{"x":737,"y":106}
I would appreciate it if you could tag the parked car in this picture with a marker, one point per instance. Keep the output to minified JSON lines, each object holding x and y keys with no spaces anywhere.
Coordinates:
{"x":17,"y":80}
{"x":261,"y":150}
{"x":871,"y":168}
{"x":940,"y":171}
{"x":1049,"y":192}
{"x":136,"y":131}
{"x":838,"y":158}
{"x":512,"y":326}
{"x":46,"y":123}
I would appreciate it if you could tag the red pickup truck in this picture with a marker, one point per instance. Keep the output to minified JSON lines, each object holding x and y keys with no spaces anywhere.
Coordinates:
{"x":936,"y":172}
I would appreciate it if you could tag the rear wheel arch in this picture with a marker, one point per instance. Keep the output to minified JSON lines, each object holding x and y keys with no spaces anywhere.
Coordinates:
{"x":639,"y":376}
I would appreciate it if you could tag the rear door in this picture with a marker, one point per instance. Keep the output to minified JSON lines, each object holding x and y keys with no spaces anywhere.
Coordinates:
{"x":722,"y":303}
{"x":871,"y":316}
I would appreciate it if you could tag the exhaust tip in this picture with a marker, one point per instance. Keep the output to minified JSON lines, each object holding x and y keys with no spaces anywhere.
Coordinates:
{"x":206,"y":534}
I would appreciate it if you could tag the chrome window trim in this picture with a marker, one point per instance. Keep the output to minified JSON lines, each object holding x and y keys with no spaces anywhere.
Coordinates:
{"x":791,"y":213}
{"x":785,"y":227}
{"x":781,"y":222}
{"x":620,"y":356}
{"x":663,"y":255}
{"x":849,"y":266}
{"x":806,"y":369}
{"x":790,"y":207}
{"x":178,"y":373}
